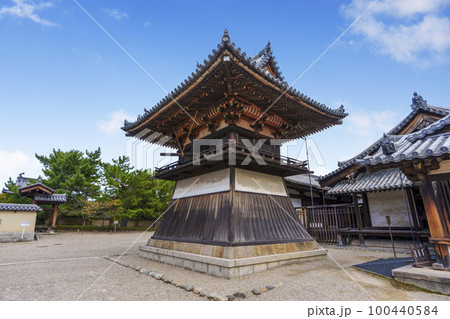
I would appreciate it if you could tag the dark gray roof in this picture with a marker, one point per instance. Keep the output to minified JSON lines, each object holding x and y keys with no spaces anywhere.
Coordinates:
{"x":19,"y":207}
{"x":255,"y":63}
{"x":416,"y":106}
{"x":409,"y":149}
{"x":303,"y":179}
{"x":23,"y":181}
{"x":6,"y":191}
{"x":39,"y":183}
{"x":61,"y":198}
{"x":371,"y":182}
{"x":263,"y":57}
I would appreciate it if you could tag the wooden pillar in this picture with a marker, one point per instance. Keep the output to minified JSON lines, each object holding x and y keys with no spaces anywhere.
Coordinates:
{"x":435,"y":222}
{"x":413,"y":208}
{"x":413,"y":211}
{"x":366,"y":211}
{"x":358,"y":220}
{"x":53,"y":216}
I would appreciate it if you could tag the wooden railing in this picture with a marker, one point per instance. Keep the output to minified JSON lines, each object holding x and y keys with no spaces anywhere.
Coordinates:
{"x":323,"y":222}
{"x":239,"y":149}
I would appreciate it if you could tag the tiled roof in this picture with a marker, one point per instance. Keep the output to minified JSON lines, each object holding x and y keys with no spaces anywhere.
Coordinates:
{"x":255,"y":63}
{"x":60,"y":198}
{"x":23,"y":181}
{"x":19,"y":207}
{"x":6,"y":191}
{"x":303,"y":179}
{"x":39,"y":183}
{"x":263,"y":57}
{"x":413,"y":146}
{"x":416,"y":108}
{"x":370,"y":182}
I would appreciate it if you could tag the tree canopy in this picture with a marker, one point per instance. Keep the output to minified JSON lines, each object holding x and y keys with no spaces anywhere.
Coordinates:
{"x":13,"y":197}
{"x":95,"y":188}
{"x":140,"y":194}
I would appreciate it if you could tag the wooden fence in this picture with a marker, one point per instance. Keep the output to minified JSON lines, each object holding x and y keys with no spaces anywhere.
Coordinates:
{"x":322,"y":222}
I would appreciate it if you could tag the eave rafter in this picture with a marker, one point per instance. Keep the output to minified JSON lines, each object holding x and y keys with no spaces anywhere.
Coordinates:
{"x":229,"y":75}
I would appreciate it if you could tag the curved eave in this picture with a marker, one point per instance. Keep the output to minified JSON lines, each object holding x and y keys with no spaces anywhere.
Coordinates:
{"x":246,"y":63}
{"x":355,"y":162}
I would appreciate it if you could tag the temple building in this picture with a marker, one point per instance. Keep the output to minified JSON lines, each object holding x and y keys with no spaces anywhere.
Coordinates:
{"x":231,"y":213}
{"x":387,"y":191}
{"x":424,"y":157}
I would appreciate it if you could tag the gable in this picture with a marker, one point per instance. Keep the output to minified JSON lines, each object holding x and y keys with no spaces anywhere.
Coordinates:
{"x":419,"y":122}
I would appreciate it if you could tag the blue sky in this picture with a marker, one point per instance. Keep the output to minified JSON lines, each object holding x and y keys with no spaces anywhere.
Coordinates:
{"x":65,"y":84}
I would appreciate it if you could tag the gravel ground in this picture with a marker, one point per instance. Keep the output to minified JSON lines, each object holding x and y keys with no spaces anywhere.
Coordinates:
{"x":320,"y":279}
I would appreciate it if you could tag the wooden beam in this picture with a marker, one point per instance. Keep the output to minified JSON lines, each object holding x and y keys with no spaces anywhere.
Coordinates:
{"x":366,"y":211}
{"x":435,"y":222}
{"x":358,"y":220}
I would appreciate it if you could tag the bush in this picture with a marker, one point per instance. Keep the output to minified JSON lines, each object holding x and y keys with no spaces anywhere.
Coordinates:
{"x":42,"y":217}
{"x":98,"y":228}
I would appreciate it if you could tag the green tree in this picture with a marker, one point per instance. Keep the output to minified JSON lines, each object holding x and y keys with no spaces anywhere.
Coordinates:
{"x":140,"y":195}
{"x":14,"y":196}
{"x":100,"y":208}
{"x":74,"y":173}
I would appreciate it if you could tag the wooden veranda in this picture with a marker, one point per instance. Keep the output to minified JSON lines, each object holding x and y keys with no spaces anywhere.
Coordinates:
{"x":339,"y":223}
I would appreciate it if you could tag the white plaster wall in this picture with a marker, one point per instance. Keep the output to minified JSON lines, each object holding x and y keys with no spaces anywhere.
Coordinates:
{"x":214,"y":182}
{"x":262,"y":183}
{"x":10,"y":221}
{"x":389,"y":203}
{"x":297,"y":202}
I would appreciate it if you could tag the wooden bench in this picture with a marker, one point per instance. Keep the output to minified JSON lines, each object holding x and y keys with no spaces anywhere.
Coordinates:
{"x":345,"y":234}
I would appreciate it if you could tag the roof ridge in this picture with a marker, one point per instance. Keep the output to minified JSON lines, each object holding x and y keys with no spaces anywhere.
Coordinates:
{"x":417,"y":104}
{"x":226,"y":43}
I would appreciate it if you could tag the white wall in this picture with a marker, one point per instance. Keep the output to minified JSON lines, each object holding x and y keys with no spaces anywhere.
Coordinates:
{"x":388,"y":203}
{"x":214,"y":182}
{"x":255,"y":182}
{"x":297,"y":202}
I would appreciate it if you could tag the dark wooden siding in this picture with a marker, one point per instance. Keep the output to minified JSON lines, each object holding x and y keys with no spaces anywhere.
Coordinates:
{"x":232,"y":219}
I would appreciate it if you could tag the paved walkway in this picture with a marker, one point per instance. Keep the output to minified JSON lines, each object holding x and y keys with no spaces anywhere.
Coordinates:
{"x":70,"y":265}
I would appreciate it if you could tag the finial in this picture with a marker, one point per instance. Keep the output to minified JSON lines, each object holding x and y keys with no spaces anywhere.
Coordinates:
{"x":418,"y":101}
{"x":225,"y":37}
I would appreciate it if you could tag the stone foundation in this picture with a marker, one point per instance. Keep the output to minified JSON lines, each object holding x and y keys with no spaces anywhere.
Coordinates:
{"x":7,"y":237}
{"x":427,"y":278}
{"x":229,"y":262}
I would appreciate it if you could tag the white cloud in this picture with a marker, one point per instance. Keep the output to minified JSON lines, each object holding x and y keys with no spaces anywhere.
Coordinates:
{"x":116,"y":14}
{"x":371,"y":123}
{"x":27,"y":10}
{"x":409,"y":31}
{"x":115,"y":122}
{"x":14,"y":163}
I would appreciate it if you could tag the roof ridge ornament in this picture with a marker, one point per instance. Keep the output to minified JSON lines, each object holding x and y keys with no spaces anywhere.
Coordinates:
{"x":268,"y":47}
{"x":418,"y":101}
{"x":387,"y":145}
{"x":225,"y":37}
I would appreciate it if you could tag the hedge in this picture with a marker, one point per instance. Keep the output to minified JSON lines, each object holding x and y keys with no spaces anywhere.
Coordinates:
{"x":99,"y":228}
